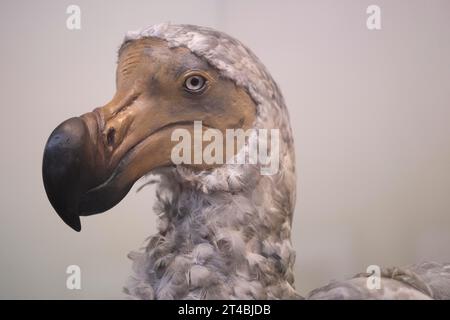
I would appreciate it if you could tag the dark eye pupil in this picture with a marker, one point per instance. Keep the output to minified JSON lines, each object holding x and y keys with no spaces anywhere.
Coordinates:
{"x":195,"y":81}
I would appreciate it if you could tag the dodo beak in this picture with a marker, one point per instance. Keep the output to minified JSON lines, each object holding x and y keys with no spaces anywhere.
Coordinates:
{"x":68,"y":169}
{"x":87,"y":171}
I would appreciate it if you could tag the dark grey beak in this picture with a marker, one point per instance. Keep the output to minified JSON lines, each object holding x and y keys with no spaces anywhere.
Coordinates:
{"x":67,"y":170}
{"x":77,"y":178}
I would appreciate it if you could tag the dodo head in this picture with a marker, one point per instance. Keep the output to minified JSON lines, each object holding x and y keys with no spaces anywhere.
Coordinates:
{"x":91,"y":162}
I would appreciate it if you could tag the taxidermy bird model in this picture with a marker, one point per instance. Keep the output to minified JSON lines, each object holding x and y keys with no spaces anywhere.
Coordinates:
{"x":224,"y":229}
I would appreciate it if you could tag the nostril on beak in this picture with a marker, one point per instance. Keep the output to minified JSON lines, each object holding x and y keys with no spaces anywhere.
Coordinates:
{"x":110,"y":136}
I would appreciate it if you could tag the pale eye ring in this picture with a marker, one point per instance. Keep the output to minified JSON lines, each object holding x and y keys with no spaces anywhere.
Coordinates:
{"x":195,"y":83}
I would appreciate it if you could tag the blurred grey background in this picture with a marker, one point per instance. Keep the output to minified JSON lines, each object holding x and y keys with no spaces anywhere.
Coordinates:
{"x":370,"y":112}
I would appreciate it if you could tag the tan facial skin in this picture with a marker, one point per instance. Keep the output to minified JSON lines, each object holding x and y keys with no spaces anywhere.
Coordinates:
{"x":151,"y":101}
{"x":131,"y":135}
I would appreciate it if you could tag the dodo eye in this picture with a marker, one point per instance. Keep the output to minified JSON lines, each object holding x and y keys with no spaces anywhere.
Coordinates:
{"x":195,"y":83}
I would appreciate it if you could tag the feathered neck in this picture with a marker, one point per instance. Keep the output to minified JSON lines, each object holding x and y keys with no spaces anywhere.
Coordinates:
{"x":221,"y":236}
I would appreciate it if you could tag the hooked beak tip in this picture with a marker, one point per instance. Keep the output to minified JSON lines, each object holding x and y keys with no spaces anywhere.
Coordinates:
{"x":65,"y":158}
{"x":75,"y":224}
